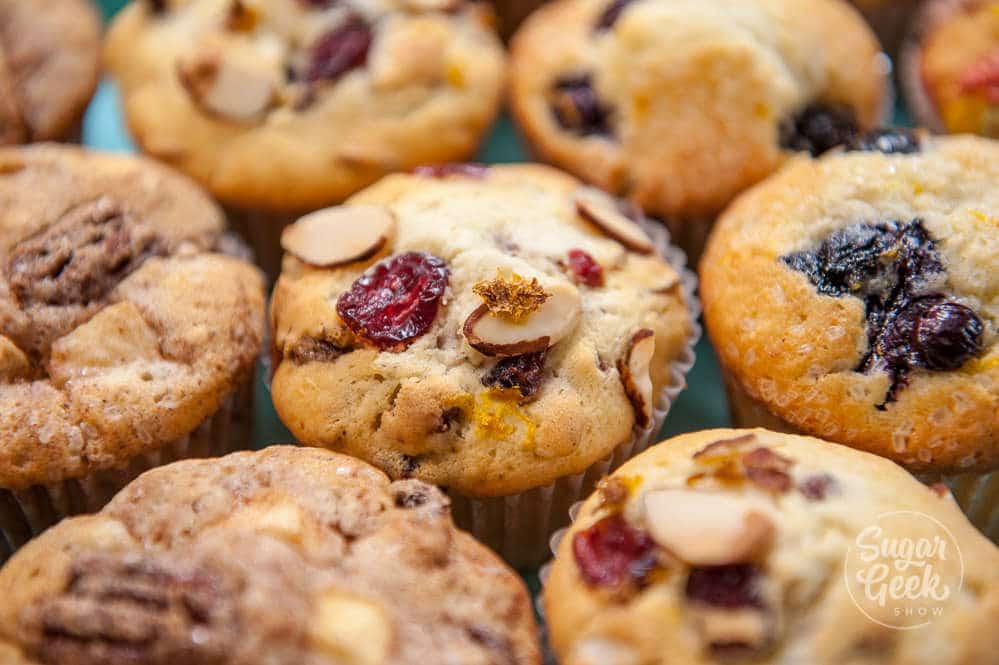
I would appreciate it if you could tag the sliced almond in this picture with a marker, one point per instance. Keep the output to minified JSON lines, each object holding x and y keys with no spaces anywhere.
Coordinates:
{"x":14,"y":364}
{"x":635,"y":375}
{"x":229,"y":83}
{"x":600,"y":651}
{"x":497,"y":335}
{"x":351,"y":629}
{"x":599,"y":208}
{"x":707,"y":528}
{"x":410,"y":50}
{"x":745,"y":626}
{"x":338,"y":235}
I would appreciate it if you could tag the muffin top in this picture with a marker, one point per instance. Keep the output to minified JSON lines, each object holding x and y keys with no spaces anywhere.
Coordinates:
{"x":290,"y":105}
{"x":507,"y":327}
{"x":954,"y":63}
{"x":681,"y":104}
{"x":49,"y":65}
{"x":856,"y":297}
{"x":288,"y":556}
{"x":746,"y":545}
{"x":122,"y":327}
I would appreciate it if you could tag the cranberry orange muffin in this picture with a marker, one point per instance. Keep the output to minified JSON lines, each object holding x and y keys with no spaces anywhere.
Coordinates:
{"x":751,"y":546}
{"x":49,"y":66}
{"x":681,"y":104}
{"x":950,"y":68}
{"x":503,"y":332}
{"x":288,"y":556}
{"x":279,"y":107}
{"x":855,"y":298}
{"x":127,"y":338}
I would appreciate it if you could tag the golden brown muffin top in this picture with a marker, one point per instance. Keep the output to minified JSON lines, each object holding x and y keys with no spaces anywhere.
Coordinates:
{"x":122,"y":327}
{"x":289,"y":556}
{"x":49,"y":66}
{"x":856,"y":297}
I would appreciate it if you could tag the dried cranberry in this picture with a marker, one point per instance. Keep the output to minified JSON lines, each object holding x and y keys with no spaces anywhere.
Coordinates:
{"x":983,"y":76}
{"x":612,"y":552}
{"x":396,"y":301}
{"x":817,"y":488}
{"x":524,"y":372}
{"x":730,"y":587}
{"x":585,"y":269}
{"x":889,"y":140}
{"x":469,"y":170}
{"x":340,"y":50}
{"x":817,"y":128}
{"x":767,"y":470}
{"x":947,"y":335}
{"x":611,"y":14}
{"x":577,"y":107}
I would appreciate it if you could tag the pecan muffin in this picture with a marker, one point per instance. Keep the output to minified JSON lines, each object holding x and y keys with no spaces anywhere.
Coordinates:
{"x":279,"y":107}
{"x":747,"y":545}
{"x":950,"y":67}
{"x":49,"y":66}
{"x":681,"y":104}
{"x":288,"y":556}
{"x":500,"y":331}
{"x":855,"y":298}
{"x":126,"y":338}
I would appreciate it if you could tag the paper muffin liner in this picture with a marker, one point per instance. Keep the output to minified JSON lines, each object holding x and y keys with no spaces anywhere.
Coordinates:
{"x":27,"y":512}
{"x":518,"y":526}
{"x":262,"y":232}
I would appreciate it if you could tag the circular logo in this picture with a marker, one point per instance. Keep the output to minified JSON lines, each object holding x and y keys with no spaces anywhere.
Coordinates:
{"x":901,"y":570}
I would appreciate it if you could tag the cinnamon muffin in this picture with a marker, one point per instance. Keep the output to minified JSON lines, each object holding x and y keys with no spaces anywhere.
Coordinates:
{"x":279,"y":107}
{"x":751,"y":546}
{"x":49,"y":66}
{"x":950,"y":67}
{"x":500,"y":331}
{"x":288,"y":556}
{"x":855,"y":298}
{"x":681,"y":104}
{"x":127,"y":339}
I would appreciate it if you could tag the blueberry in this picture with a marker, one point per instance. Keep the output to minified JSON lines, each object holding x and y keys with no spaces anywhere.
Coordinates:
{"x":818,"y":128}
{"x":611,"y":14}
{"x":577,"y":107}
{"x":946,"y":335}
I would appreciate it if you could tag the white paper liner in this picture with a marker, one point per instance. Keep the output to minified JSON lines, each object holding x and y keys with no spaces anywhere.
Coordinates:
{"x":518,"y":526}
{"x":26,"y":513}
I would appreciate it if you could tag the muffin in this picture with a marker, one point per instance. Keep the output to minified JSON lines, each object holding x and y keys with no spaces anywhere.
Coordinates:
{"x":681,"y":104}
{"x":288,"y":556}
{"x":49,"y":66}
{"x":747,"y":545}
{"x":503,"y":332}
{"x":855,"y":298}
{"x":950,"y":67}
{"x":280,"y":107}
{"x":128,"y":338}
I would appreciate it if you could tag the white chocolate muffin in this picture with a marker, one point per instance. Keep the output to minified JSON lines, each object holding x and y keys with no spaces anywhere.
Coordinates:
{"x":681,"y":104}
{"x":751,"y":546}
{"x":288,"y":556}
{"x":487,"y":329}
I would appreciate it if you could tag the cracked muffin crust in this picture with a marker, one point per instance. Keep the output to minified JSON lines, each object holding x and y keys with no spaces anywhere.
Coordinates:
{"x":285,"y":106}
{"x":866,"y":312}
{"x":49,"y":66}
{"x":738,"y":546}
{"x":124,"y":325}
{"x":290,"y":556}
{"x":679,"y":106}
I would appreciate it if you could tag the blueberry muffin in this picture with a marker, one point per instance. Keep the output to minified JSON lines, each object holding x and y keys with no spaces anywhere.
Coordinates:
{"x":681,"y":104}
{"x":128,"y":337}
{"x":950,"y":67}
{"x":855,"y":298}
{"x":751,"y":546}
{"x":49,"y":66}
{"x":288,"y":556}
{"x":500,"y":331}
{"x":279,"y":107}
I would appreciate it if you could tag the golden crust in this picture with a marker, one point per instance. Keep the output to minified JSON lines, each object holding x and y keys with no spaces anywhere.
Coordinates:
{"x":389,"y":408}
{"x":292,"y":538}
{"x":804,"y":567}
{"x":429,"y":92}
{"x":795,"y":351}
{"x":698,"y":112}
{"x":107,"y":378}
